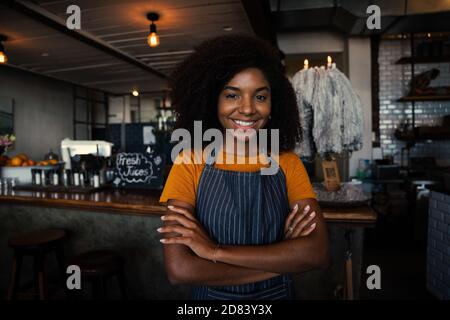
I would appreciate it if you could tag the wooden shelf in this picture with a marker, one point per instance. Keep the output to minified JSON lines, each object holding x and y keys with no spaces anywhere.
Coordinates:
{"x":424,"y":98}
{"x":409,"y":60}
{"x":425,"y":133}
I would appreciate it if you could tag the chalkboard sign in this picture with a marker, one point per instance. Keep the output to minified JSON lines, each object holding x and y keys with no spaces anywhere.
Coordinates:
{"x":139,"y":170}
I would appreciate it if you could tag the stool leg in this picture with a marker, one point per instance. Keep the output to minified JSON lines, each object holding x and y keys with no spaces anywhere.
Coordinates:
{"x":40,"y":276}
{"x":99,"y":292}
{"x":121,"y":280}
{"x":62,"y":270}
{"x":15,"y":276}
{"x":349,"y":277}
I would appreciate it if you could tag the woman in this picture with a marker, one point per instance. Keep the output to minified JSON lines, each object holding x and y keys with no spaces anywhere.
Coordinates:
{"x":230,"y":231}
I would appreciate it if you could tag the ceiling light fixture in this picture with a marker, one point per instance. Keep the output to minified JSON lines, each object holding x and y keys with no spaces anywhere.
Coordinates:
{"x":135,"y":93}
{"x":3,"y":57}
{"x":153,"y":38}
{"x":227,"y":28}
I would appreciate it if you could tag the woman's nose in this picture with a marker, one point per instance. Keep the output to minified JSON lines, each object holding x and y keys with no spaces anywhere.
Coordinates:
{"x":247,"y":106}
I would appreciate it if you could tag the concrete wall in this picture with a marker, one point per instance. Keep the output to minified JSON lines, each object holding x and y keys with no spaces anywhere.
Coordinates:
{"x":43,"y":111}
{"x":311,"y":42}
{"x":360,"y":77}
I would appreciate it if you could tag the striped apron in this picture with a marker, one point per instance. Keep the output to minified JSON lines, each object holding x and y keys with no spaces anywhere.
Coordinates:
{"x":243,"y":208}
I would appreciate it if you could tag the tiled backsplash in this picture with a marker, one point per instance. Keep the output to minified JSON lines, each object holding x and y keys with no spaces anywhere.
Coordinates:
{"x":394,"y":83}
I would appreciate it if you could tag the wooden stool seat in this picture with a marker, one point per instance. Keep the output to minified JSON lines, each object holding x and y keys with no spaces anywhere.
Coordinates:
{"x":37,"y":238}
{"x":98,"y":262}
{"x":36,"y":244}
{"x":99,"y":265}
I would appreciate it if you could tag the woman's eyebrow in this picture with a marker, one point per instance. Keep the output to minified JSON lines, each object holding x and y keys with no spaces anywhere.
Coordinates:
{"x":237,"y":89}
{"x":262,"y":89}
{"x":231,"y":88}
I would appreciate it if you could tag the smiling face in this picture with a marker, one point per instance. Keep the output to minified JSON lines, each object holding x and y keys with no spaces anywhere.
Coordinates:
{"x":245,"y":101}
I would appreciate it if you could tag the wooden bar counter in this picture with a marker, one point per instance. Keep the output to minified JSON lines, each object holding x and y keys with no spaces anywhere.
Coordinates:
{"x":145,"y":202}
{"x":126,"y":221}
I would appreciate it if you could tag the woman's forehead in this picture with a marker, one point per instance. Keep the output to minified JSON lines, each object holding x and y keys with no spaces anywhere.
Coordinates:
{"x":249,"y":77}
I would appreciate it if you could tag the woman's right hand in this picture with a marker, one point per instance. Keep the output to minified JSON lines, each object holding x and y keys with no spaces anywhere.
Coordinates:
{"x":298,"y":222}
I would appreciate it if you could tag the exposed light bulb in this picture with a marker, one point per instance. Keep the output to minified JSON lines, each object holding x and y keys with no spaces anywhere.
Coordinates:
{"x":153,"y":39}
{"x":135,"y":93}
{"x":3,"y":57}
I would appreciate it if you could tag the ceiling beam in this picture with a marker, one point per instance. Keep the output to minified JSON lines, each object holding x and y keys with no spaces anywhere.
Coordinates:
{"x":41,"y":15}
{"x":258,"y":13}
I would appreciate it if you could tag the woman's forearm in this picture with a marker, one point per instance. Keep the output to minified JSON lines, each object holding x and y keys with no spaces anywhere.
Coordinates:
{"x":289,"y":256}
{"x":195,"y":270}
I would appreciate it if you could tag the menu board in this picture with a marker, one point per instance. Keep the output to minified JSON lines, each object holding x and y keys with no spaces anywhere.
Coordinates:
{"x":139,"y":170}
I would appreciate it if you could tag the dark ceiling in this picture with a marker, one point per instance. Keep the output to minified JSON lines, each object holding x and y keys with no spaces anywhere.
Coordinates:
{"x":349,"y":16}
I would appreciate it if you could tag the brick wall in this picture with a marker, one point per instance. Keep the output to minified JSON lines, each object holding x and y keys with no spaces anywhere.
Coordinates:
{"x":394,"y":83}
{"x":438,"y":249}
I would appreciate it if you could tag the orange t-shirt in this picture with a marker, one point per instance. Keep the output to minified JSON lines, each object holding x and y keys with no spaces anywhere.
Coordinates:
{"x":183,"y":180}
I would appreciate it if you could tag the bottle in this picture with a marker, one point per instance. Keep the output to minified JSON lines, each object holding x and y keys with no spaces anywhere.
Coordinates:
{"x":55,"y":177}
{"x":91,"y":178}
{"x":66,"y":174}
{"x":43,"y":178}
{"x":76,"y":178}
{"x":37,"y":177}
{"x":82,"y":174}
{"x":96,"y":179}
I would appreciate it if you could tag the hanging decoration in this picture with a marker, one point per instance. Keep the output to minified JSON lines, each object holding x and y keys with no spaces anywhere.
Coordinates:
{"x":330,"y":111}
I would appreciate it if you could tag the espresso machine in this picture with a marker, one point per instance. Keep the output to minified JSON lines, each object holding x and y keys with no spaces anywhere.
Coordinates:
{"x":85,"y":154}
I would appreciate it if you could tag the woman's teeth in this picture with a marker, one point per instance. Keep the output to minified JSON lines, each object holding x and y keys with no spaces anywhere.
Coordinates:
{"x":244,"y":123}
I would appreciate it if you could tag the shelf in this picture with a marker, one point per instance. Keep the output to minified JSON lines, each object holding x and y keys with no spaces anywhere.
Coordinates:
{"x":424,"y":98}
{"x":424,"y":133}
{"x":409,"y":60}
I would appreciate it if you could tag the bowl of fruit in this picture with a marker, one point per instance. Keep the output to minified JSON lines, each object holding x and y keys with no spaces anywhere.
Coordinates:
{"x":20,"y":166}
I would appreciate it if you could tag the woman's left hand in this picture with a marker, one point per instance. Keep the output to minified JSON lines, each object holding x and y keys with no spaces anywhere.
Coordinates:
{"x":191,"y":233}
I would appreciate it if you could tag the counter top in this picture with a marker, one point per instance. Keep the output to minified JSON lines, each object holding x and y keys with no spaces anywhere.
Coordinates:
{"x":145,"y":202}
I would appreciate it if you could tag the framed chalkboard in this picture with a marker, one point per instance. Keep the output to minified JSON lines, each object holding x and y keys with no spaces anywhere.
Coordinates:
{"x":139,"y":170}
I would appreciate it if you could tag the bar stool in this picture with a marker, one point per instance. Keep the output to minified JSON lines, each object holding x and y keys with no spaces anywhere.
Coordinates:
{"x":37,"y":244}
{"x":98,"y":266}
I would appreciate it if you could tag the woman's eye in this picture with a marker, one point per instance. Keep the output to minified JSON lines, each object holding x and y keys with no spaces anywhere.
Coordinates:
{"x":261,"y":98}
{"x":231,"y":96}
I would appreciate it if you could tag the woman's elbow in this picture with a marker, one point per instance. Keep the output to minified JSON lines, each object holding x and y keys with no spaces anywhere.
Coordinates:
{"x":177,"y":275}
{"x":323,"y":259}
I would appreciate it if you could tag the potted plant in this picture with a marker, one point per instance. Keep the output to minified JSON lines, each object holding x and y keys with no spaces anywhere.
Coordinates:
{"x":6,"y":142}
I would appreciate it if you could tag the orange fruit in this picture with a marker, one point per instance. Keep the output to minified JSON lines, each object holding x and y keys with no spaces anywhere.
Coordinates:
{"x":25,"y":164}
{"x":31,"y":162}
{"x":53,"y":161}
{"x":22,"y":156}
{"x":44,"y":163}
{"x":16,"y":161}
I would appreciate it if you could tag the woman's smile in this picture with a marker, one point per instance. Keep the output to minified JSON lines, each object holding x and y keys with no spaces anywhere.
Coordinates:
{"x":245,"y":124}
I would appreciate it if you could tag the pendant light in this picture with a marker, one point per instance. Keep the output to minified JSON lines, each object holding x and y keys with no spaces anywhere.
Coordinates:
{"x":153,"y":38}
{"x":3,"y":57}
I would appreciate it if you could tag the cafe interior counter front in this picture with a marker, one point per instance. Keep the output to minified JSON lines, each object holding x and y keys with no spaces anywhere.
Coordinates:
{"x":126,"y":221}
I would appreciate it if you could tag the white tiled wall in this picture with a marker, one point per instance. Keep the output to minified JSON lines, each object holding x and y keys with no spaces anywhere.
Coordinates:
{"x":394,"y":83}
